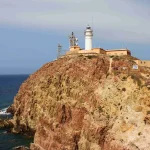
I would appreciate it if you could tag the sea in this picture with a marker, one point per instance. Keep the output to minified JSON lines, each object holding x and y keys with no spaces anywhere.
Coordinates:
{"x":9,"y":86}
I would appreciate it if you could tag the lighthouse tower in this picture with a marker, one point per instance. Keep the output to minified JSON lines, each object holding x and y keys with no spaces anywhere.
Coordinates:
{"x":88,"y":38}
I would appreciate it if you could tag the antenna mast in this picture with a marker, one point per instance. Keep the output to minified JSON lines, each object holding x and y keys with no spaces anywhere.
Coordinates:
{"x":93,"y":30}
{"x":93,"y":23}
{"x":73,"y":41}
{"x":59,"y":48}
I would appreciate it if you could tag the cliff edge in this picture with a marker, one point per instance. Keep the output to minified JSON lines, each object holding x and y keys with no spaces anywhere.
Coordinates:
{"x":85,"y":103}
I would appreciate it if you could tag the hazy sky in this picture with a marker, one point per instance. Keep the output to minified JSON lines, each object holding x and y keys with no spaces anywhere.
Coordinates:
{"x":31,"y":29}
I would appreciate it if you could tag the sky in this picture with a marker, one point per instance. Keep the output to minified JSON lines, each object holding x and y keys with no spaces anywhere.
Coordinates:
{"x":31,"y":29}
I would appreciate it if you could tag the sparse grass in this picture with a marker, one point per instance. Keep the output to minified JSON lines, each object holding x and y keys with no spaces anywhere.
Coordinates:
{"x":139,"y":133}
{"x":123,"y":89}
{"x":80,"y":55}
{"x":147,"y":83}
{"x":120,"y":107}
{"x":100,"y":109}
{"x":81,"y":101}
{"x":91,"y":56}
{"x":148,"y":112}
{"x":115,"y":72}
{"x":136,"y":79}
{"x":124,"y":78}
{"x":111,"y":56}
{"x":107,"y":74}
{"x":108,"y":116}
{"x":116,"y":58}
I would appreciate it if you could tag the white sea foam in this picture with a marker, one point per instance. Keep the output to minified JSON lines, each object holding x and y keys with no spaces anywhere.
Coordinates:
{"x":4,"y":111}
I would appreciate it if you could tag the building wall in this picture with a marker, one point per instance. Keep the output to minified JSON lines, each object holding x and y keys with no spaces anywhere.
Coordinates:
{"x":118,"y":52}
{"x":145,"y":63}
{"x":99,"y":50}
{"x":94,"y":50}
{"x":87,"y":51}
{"x":74,"y":48}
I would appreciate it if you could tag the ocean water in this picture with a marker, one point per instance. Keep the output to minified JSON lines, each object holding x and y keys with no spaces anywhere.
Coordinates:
{"x":9,"y":86}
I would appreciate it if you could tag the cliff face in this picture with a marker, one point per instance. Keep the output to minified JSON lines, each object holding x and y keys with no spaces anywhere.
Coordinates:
{"x":80,"y":103}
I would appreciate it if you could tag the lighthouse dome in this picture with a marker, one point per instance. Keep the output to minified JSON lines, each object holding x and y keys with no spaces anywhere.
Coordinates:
{"x":88,"y":27}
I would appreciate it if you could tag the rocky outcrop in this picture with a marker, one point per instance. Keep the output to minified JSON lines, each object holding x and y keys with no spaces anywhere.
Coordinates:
{"x":79,"y":103}
{"x":5,"y":123}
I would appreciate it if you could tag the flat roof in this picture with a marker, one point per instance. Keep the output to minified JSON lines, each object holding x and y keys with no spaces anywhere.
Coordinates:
{"x":99,"y":48}
{"x":109,"y":50}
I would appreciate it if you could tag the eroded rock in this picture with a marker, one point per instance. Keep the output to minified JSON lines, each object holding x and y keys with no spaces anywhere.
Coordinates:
{"x":76,"y":103}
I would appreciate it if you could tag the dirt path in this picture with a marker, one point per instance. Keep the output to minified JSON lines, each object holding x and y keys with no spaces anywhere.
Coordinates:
{"x":110,"y":65}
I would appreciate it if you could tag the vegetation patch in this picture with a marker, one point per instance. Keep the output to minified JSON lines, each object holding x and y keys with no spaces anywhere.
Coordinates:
{"x":123,"y":89}
{"x":116,"y":58}
{"x":148,"y":112}
{"x":124,"y":78}
{"x":91,"y":56}
{"x":100,"y":109}
{"x":136,"y":79}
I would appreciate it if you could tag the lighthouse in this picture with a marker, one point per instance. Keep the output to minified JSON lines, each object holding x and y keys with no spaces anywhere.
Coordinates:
{"x":88,"y":38}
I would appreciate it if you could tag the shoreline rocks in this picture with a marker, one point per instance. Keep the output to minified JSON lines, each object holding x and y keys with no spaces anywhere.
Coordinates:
{"x":6,"y":123}
{"x":10,"y":110}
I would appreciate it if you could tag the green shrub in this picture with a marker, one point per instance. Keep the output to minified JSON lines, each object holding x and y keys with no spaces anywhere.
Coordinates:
{"x":100,"y":109}
{"x":136,"y":80}
{"x":107,"y":74}
{"x":123,"y":89}
{"x":111,"y":56}
{"x":80,"y":55}
{"x":124,"y":78}
{"x":91,"y":56}
{"x":139,"y":133}
{"x":116,"y":58}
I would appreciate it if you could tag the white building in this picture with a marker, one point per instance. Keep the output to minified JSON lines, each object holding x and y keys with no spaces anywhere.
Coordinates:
{"x":88,"y":38}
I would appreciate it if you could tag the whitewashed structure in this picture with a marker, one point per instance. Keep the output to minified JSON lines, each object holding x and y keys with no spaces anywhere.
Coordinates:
{"x":88,"y":38}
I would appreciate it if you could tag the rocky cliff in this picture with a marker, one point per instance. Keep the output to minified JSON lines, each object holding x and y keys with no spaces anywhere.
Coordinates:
{"x":85,"y":103}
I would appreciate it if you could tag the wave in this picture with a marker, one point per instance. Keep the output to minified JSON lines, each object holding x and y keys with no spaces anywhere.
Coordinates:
{"x":4,"y":111}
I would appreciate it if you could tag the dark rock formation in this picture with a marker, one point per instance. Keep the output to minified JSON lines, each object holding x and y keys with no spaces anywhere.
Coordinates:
{"x":5,"y":123}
